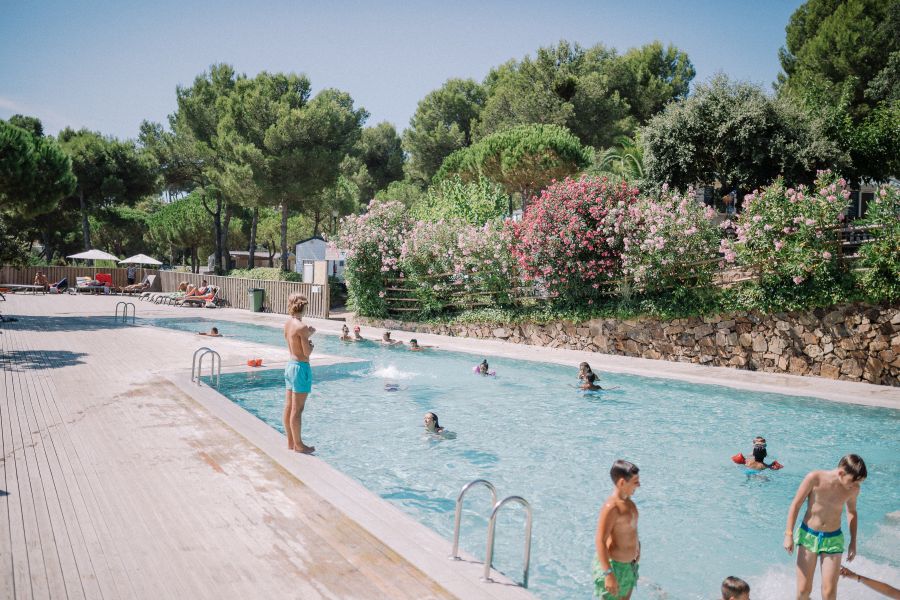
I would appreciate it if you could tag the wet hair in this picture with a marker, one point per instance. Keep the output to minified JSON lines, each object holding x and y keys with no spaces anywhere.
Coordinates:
{"x":344,"y":327}
{"x":386,"y":334}
{"x":584,"y":366}
{"x":853,"y":464}
{"x":622,"y":469}
{"x":759,"y":453}
{"x":484,"y":362}
{"x":590,"y":377}
{"x":297,"y":304}
{"x":734,"y":586}
{"x":215,"y":330}
{"x":413,"y":341}
{"x":435,"y":417}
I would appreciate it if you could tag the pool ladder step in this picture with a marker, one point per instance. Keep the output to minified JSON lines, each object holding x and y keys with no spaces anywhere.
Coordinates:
{"x":492,"y":526}
{"x":215,"y":364}
{"x":124,"y":313}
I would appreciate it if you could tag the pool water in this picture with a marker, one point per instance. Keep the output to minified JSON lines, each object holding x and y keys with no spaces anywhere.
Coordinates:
{"x":531,"y":433}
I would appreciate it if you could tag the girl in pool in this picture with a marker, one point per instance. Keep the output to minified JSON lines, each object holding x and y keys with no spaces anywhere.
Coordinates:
{"x":431,"y":423}
{"x":483,"y":368}
{"x":345,"y":333}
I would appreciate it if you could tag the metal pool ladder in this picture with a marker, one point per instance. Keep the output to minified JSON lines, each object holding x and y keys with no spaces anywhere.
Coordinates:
{"x":492,"y":525}
{"x":125,"y":306}
{"x":215,"y":364}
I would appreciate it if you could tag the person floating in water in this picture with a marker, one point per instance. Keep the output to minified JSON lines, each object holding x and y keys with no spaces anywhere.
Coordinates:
{"x":356,"y":336}
{"x":415,"y":347}
{"x":214,"y":332}
{"x":387,"y":341}
{"x":431,"y":423}
{"x":615,"y":571}
{"x":819,"y":538}
{"x":345,"y":333}
{"x":735,"y":588}
{"x":483,"y":368}
{"x":588,"y":378}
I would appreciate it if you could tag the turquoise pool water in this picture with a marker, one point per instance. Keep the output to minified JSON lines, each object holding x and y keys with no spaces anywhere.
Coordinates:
{"x":532,"y":434}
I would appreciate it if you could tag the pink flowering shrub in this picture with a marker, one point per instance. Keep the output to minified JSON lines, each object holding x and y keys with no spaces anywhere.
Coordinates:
{"x":373,"y":242}
{"x":571,"y":238}
{"x":671,"y":242}
{"x":881,"y":256}
{"x":791,"y":234}
{"x":426,"y":259}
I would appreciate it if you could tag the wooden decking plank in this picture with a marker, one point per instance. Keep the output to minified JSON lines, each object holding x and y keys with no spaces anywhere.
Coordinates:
{"x":62,"y":573}
{"x":112,"y":578}
{"x":14,"y":577}
{"x":76,"y":555}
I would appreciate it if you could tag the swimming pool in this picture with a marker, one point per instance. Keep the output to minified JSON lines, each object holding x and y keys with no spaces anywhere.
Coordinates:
{"x":532,"y":434}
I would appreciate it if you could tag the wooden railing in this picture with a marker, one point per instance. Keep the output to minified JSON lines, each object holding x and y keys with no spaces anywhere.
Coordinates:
{"x":25,"y":276}
{"x":234,"y":291}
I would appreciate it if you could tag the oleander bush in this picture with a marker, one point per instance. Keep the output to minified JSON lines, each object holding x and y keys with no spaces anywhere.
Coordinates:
{"x":880,"y":264}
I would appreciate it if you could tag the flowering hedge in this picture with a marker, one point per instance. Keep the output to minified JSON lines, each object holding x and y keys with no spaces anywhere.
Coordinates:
{"x":671,"y":242}
{"x":570,"y":240}
{"x":881,"y":255}
{"x":791,"y":234}
{"x":373,"y":242}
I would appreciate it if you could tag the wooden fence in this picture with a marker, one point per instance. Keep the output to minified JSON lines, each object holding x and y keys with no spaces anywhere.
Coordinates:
{"x":234,"y":291}
{"x":25,"y":276}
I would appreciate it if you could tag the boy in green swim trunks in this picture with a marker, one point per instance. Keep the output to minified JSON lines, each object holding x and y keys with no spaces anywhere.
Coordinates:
{"x":297,"y":373}
{"x":618,"y":549}
{"x":819,"y":538}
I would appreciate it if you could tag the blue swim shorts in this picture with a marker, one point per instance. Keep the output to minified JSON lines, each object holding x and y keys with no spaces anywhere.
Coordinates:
{"x":298,"y":377}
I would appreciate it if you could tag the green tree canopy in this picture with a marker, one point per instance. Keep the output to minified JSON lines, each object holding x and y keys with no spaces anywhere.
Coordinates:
{"x":735,"y":134}
{"x":376,"y":161}
{"x":442,"y":123}
{"x":523,"y":159}
{"x":35,"y":174}
{"x":183,"y":224}
{"x":108,"y":172}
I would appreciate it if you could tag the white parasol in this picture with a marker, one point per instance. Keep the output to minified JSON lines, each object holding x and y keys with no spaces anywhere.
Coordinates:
{"x":94,"y":255}
{"x":140,"y":259}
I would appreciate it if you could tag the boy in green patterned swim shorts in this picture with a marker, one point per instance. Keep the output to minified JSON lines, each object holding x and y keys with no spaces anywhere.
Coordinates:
{"x":819,"y":538}
{"x":615,"y":569}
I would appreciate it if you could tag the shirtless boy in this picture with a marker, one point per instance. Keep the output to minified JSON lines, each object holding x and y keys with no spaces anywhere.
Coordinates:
{"x":618,"y":549}
{"x":735,"y":588}
{"x":297,"y":373}
{"x":819,"y":537}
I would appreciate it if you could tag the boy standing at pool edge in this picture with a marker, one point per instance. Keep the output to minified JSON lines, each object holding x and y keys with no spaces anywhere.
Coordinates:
{"x":297,"y":373}
{"x":819,"y":538}
{"x":618,"y":550}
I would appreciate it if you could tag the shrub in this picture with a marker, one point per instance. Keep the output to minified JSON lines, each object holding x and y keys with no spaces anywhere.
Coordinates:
{"x":426,"y":259}
{"x":452,"y":199}
{"x":373,"y":243}
{"x":791,"y":237}
{"x":570,"y":239}
{"x":266,"y":274}
{"x":881,"y":256}
{"x":671,"y":242}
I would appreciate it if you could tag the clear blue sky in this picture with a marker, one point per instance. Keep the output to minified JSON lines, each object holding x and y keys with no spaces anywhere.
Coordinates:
{"x":108,"y":64}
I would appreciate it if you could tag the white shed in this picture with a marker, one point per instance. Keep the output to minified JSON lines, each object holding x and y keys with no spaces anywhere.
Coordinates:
{"x":314,"y":249}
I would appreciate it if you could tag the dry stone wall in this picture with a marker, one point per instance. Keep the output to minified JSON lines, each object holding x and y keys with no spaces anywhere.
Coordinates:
{"x":853,"y":342}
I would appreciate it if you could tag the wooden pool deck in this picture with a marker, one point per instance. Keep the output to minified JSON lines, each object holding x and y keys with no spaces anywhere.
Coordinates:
{"x":114,"y":483}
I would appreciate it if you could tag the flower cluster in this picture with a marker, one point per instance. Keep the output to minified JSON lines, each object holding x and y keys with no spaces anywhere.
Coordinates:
{"x":373,"y":242}
{"x":792,"y":232}
{"x":571,"y":238}
{"x":670,"y":241}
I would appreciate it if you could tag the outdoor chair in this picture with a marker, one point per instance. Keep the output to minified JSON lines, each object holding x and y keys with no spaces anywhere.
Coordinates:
{"x":107,"y":280}
{"x":208,"y":299}
{"x":83,"y":284}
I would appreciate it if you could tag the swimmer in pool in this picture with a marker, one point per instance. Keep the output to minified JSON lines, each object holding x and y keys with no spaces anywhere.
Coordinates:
{"x":588,"y":382}
{"x":391,"y":386}
{"x":759,"y":454}
{"x":356,"y":336}
{"x":415,"y":347}
{"x":483,"y":368}
{"x":431,"y":423}
{"x":345,"y":333}
{"x":387,"y":341}
{"x":214,"y":332}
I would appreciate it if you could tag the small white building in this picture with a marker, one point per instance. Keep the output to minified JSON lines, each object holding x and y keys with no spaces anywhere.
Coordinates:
{"x":314,"y":249}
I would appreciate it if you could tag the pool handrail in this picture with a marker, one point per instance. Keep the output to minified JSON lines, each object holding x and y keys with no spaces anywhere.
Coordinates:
{"x":194,"y":360}
{"x":215,"y":365}
{"x":492,"y":525}
{"x":125,"y":306}
{"x":458,"y":519}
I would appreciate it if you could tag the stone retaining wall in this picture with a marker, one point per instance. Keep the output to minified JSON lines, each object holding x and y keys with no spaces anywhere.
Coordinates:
{"x":854,"y":342}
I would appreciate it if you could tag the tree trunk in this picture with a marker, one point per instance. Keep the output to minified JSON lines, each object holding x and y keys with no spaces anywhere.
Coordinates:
{"x":195,"y":260}
{"x":85,"y":225}
{"x":317,"y":218}
{"x":251,"y":260}
{"x":217,"y":231}
{"x":225,"y":226}
{"x":284,"y":252}
{"x":48,"y":246}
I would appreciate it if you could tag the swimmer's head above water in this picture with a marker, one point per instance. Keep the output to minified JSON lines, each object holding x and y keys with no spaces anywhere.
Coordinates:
{"x":431,"y":423}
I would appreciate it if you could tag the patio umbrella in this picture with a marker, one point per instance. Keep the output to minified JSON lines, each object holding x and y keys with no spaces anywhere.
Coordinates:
{"x":140,"y":259}
{"x":94,"y":255}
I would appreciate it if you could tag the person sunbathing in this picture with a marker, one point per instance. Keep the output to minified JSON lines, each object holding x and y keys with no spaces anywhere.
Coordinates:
{"x":198,"y":291}
{"x":41,"y":280}
{"x":137,"y":287}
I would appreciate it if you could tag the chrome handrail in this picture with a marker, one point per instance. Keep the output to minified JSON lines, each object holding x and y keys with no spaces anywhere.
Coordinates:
{"x":125,"y":306}
{"x":492,"y":525}
{"x":215,"y":362}
{"x":194,"y":360}
{"x":458,"y":519}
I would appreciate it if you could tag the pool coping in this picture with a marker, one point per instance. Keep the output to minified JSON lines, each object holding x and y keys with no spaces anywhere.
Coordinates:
{"x":414,"y":542}
{"x":847,"y":392}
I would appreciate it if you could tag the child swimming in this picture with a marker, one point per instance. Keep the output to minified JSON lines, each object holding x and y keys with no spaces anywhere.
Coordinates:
{"x":483,"y":368}
{"x":345,"y":333}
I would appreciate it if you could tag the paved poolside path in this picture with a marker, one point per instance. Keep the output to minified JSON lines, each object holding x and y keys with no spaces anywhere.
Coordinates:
{"x":116,"y":484}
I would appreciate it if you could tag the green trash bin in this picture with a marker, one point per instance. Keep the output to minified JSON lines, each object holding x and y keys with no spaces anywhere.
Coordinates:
{"x":257,"y":295}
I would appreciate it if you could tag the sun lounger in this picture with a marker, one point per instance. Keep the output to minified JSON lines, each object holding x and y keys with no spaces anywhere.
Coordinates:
{"x":208,"y":299}
{"x":83,"y":284}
